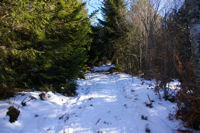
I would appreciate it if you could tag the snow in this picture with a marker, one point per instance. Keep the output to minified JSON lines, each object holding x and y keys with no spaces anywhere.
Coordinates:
{"x":103,"y":68}
{"x":174,"y":85}
{"x":112,"y":103}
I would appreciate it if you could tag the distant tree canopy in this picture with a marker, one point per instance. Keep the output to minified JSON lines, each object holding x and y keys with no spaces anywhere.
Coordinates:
{"x":42,"y":43}
{"x":115,"y":37}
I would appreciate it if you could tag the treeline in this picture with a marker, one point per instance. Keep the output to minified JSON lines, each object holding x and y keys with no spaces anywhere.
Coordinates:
{"x":150,"y":38}
{"x":142,"y":39}
{"x":43,"y":44}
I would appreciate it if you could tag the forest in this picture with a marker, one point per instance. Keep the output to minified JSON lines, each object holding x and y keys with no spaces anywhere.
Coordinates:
{"x":46,"y":45}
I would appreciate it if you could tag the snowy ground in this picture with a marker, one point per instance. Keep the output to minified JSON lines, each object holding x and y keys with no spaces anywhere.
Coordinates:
{"x":102,"y":68}
{"x":113,"y":103}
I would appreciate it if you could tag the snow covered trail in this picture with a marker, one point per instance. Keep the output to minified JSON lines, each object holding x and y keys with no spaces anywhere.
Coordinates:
{"x":106,"y":103}
{"x":119,"y":102}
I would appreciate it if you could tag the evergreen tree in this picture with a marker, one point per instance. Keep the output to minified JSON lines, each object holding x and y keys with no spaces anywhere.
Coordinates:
{"x":66,"y":44}
{"x":115,"y":28}
{"x":42,"y":43}
{"x":96,"y":52}
{"x":22,"y":24}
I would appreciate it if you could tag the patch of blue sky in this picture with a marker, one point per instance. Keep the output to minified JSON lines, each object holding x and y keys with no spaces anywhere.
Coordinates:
{"x":93,"y":5}
{"x":164,"y":6}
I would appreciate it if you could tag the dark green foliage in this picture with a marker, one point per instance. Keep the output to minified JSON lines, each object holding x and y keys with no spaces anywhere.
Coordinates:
{"x":70,"y":91}
{"x":42,"y":43}
{"x":115,"y":28}
{"x":96,"y":52}
{"x":66,"y":49}
{"x":111,"y":39}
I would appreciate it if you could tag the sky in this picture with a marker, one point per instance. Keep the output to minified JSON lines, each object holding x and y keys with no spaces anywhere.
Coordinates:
{"x":93,"y":5}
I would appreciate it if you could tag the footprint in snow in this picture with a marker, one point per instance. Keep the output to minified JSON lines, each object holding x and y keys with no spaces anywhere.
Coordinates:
{"x":65,"y":117}
{"x":125,"y":105}
{"x":90,"y":98}
{"x":136,"y":99}
{"x":98,"y":121}
{"x":117,"y":118}
{"x":132,"y":90}
{"x":107,"y":123}
{"x":104,"y":122}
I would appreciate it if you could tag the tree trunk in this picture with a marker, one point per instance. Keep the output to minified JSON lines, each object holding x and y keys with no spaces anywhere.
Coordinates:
{"x":194,"y":20}
{"x":141,"y":53}
{"x":195,"y":38}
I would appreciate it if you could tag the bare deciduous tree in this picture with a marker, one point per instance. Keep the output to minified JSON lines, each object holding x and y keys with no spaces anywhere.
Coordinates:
{"x":146,"y":18}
